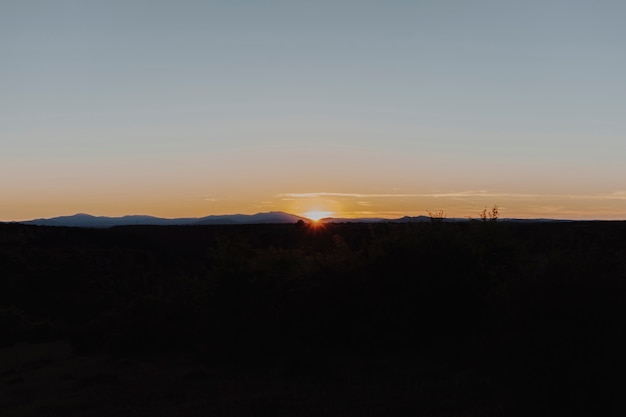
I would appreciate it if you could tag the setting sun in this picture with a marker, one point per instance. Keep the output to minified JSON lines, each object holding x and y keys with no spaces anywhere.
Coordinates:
{"x":317,"y":215}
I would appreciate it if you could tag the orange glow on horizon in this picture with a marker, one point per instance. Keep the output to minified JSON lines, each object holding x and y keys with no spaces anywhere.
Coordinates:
{"x":317,"y":215}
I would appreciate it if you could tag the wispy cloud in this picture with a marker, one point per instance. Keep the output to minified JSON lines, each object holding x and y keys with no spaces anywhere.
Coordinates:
{"x":352,"y":195}
{"x":469,"y":193}
{"x":381,"y":214}
{"x":459,"y":194}
{"x":617,"y":195}
{"x":478,"y":193}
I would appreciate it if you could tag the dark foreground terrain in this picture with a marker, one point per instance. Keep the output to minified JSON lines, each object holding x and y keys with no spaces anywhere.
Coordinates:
{"x":426,"y":319}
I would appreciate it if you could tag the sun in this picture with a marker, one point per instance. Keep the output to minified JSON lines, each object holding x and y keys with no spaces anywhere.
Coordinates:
{"x":317,"y":215}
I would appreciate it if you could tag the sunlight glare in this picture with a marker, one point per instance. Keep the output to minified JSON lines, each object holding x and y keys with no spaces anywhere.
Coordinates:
{"x":317,"y":215}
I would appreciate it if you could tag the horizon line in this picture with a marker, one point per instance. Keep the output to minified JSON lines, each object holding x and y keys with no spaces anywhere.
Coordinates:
{"x":334,"y":216}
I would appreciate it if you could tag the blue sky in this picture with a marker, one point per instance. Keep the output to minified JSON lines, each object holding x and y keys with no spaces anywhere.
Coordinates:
{"x":205,"y":107}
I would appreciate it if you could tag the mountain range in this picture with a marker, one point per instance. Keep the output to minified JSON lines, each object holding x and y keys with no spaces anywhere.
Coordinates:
{"x":87,"y":220}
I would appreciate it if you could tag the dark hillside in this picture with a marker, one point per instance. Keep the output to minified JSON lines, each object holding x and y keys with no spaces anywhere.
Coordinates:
{"x":420,"y":319}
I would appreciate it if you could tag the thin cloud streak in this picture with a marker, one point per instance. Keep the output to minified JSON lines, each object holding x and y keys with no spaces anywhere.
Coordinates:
{"x":617,"y":195}
{"x":377,"y":214}
{"x":353,"y":195}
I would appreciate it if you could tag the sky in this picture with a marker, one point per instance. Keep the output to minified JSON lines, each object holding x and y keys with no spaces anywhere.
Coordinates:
{"x":354,"y":107}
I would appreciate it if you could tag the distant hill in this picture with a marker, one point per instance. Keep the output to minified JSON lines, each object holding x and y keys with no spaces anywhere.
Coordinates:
{"x":87,"y":220}
{"x":353,"y":220}
{"x":414,"y":219}
{"x":270,"y":217}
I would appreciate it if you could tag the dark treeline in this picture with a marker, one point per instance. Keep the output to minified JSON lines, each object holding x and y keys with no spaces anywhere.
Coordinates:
{"x":490,"y":318}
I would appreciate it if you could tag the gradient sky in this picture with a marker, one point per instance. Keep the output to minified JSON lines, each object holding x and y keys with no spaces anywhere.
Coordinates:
{"x":362,"y":108}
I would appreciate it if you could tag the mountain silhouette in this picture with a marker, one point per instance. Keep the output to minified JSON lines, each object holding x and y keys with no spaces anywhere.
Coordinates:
{"x":87,"y":220}
{"x":272,"y":217}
